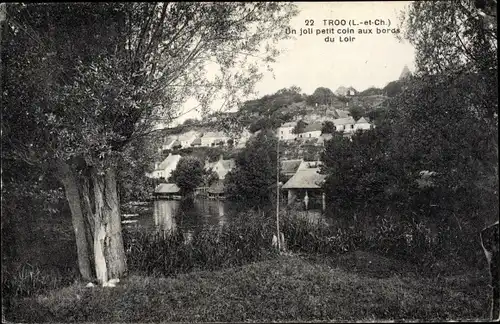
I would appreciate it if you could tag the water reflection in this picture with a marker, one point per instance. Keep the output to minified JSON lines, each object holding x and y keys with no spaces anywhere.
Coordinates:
{"x":191,"y":216}
{"x":164,"y":215}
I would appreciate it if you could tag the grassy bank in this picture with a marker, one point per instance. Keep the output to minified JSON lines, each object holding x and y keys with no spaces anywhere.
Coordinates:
{"x":288,"y":288}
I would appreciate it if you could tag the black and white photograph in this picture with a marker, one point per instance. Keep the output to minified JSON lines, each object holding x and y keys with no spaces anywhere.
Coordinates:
{"x":263,"y":162}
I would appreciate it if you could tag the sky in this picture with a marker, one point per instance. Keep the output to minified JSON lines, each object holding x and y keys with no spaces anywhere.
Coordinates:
{"x":307,"y":61}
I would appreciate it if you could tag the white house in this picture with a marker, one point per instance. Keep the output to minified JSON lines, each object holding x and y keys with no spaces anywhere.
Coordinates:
{"x":186,"y":139}
{"x":165,"y":168}
{"x":213,"y":138}
{"x":312,"y":131}
{"x":221,"y":167}
{"x":345,"y":125}
{"x":362,"y":123}
{"x":285,"y":131}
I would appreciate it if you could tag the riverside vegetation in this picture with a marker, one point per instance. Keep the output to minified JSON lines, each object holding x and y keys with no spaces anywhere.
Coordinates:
{"x":319,"y":258}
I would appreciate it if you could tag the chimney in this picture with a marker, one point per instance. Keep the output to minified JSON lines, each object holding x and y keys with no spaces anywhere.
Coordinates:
{"x":221,"y":157}
{"x":157,"y":164}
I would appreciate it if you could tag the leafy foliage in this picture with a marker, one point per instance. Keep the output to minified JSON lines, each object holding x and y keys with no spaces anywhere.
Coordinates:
{"x":393,"y":88}
{"x":299,"y":128}
{"x":321,"y":96}
{"x":255,"y":171}
{"x":328,"y":127}
{"x":189,"y":174}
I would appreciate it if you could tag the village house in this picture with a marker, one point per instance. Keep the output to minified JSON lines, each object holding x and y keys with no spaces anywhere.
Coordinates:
{"x":345,"y":125}
{"x":186,"y":139}
{"x":213,"y":138}
{"x":363,"y":124}
{"x":312,"y":131}
{"x":221,"y":167}
{"x":196,"y":142}
{"x":285,"y":131}
{"x":165,"y":168}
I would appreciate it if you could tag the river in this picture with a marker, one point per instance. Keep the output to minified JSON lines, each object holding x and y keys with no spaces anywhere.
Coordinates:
{"x":188,"y":215}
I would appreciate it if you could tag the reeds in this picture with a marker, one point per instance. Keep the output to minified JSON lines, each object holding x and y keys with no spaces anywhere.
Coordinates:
{"x":30,"y":280}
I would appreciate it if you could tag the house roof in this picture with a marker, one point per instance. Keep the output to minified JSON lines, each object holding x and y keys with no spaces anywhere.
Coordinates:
{"x":342,"y":113}
{"x":217,"y":187}
{"x":167,"y":188}
{"x":176,"y":143}
{"x":362,"y":120}
{"x":313,"y":127}
{"x":305,"y":179}
{"x":169,"y":160}
{"x":289,"y":124}
{"x":197,"y":141}
{"x":215,"y":134}
{"x":290,"y":166}
{"x":343,"y":121}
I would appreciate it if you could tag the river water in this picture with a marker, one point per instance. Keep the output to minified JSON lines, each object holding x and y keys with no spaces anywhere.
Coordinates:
{"x":188,"y":215}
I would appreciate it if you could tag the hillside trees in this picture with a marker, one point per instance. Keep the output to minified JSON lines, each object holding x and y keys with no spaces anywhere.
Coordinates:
{"x":321,"y":96}
{"x":86,"y":92}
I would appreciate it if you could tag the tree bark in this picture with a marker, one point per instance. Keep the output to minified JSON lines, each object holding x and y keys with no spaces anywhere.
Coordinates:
{"x":109,"y":252}
{"x":72,"y":192}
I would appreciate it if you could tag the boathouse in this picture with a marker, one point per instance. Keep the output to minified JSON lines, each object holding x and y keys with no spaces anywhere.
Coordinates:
{"x":167,"y":191}
{"x":306,"y":186}
{"x":216,"y":190}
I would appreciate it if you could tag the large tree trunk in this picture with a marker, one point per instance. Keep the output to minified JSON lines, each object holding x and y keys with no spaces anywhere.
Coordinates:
{"x":72,"y":191}
{"x":110,"y":260}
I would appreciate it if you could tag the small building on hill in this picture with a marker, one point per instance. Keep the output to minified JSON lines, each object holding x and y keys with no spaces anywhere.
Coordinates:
{"x":363,"y":124}
{"x":186,"y":139}
{"x":221,"y":166}
{"x":214,"y":139}
{"x":345,"y":125}
{"x":285,"y":131}
{"x":311,"y":131}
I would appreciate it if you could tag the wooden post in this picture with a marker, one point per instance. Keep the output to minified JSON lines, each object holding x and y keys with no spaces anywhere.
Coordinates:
{"x":278,"y":192}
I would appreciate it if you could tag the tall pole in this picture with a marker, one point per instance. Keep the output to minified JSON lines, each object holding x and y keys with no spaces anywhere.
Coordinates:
{"x":278,"y":191}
